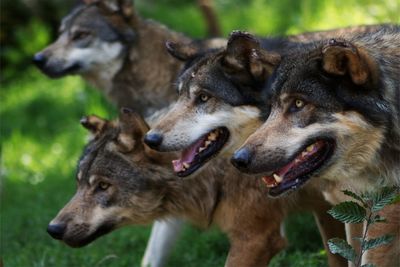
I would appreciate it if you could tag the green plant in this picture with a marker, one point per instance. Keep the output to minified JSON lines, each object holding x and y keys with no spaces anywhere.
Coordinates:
{"x":364,"y":209}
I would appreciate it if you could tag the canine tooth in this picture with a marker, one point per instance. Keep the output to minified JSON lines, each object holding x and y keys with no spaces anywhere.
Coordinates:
{"x":304,"y":153}
{"x":278,"y":179}
{"x":212,"y":136}
{"x":297,"y":160}
{"x":186,"y":165}
{"x":207,"y":143}
{"x":310,"y":148}
{"x":201,"y":149}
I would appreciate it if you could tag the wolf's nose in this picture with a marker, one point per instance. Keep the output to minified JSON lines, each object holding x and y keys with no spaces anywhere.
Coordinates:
{"x":56,"y":230}
{"x":153,"y":140}
{"x":241,"y":159}
{"x":39,"y":60}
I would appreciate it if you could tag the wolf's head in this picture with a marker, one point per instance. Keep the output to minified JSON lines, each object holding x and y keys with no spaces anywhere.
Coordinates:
{"x":219,"y":101}
{"x":93,"y":37}
{"x":328,"y":119}
{"x":118,"y":182}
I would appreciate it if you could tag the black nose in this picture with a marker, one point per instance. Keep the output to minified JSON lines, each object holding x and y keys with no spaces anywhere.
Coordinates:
{"x":39,"y":60}
{"x":153,"y":140}
{"x":241,"y":159}
{"x":56,"y":230}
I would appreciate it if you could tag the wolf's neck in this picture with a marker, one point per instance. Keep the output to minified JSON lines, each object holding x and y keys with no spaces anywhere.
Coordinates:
{"x":102,"y":78}
{"x":193,"y":199}
{"x":145,"y":81}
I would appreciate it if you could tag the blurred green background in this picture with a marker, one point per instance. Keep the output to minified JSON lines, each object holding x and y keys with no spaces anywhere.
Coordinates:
{"x":41,"y":138}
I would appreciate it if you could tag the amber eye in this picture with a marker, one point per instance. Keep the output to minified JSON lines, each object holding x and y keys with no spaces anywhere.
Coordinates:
{"x":204,"y":97}
{"x":299,"y":103}
{"x":103,"y":186}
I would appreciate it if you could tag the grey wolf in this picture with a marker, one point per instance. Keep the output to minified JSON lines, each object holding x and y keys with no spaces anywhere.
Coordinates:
{"x":118,"y":52}
{"x":220,"y":101}
{"x":123,"y":55}
{"x":121,"y":181}
{"x":334,"y":118}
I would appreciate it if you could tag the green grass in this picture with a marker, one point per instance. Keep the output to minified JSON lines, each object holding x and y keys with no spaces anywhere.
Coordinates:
{"x":41,"y":140}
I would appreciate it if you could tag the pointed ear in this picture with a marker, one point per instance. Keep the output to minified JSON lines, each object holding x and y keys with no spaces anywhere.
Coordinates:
{"x":123,"y":6}
{"x":94,"y":124}
{"x":343,"y":58}
{"x":183,"y":51}
{"x":133,"y":128}
{"x":244,"y":57}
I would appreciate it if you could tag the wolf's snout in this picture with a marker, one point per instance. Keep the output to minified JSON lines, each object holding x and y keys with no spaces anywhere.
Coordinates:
{"x":56,"y":230}
{"x":241,"y":159}
{"x":153,"y":140}
{"x":39,"y":59}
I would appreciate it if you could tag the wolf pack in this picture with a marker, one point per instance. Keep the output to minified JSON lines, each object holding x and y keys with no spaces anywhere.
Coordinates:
{"x":256,"y":128}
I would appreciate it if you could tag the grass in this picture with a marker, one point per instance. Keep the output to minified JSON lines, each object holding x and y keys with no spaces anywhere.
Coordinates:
{"x":41,"y":140}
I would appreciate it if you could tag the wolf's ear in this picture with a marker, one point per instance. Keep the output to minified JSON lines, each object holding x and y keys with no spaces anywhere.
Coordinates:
{"x":94,"y":124}
{"x":244,"y":57}
{"x":133,"y":127}
{"x":124,"y":6}
{"x":343,"y":58}
{"x":183,"y":51}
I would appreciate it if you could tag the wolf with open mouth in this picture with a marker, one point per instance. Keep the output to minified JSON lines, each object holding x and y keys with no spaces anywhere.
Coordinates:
{"x":334,"y":119}
{"x":220,"y":100}
{"x":334,"y":114}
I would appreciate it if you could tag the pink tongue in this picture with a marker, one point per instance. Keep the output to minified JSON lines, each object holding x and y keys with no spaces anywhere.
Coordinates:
{"x":187,"y":155}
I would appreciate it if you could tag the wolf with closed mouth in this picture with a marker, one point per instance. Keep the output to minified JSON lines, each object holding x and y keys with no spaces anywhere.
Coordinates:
{"x":120,"y":181}
{"x":108,"y":44}
{"x":118,"y":52}
{"x":334,"y":118}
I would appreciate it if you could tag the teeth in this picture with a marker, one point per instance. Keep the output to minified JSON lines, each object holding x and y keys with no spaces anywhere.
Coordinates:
{"x":297,"y":160}
{"x":201,"y":149}
{"x":207,"y":143}
{"x":212,"y":136}
{"x":304,"y":153}
{"x":186,"y":165}
{"x":310,"y":148}
{"x":278,"y":179}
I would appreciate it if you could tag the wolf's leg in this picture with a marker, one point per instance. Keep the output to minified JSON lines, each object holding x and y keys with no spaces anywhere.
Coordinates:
{"x":329,"y":228}
{"x":387,"y":255}
{"x":163,"y":236}
{"x":255,"y":245}
{"x":354,"y":230}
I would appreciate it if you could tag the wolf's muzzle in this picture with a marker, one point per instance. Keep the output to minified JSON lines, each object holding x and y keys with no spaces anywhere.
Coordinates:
{"x":153,"y":140}
{"x":56,"y":230}
{"x":241,"y":159}
{"x":39,"y":59}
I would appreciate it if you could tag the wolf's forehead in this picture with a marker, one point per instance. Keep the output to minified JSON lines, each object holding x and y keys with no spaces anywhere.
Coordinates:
{"x":68,"y":20}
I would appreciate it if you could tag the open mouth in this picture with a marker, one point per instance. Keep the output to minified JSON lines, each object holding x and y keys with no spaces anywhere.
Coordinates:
{"x":201,"y":151}
{"x":300,"y":169}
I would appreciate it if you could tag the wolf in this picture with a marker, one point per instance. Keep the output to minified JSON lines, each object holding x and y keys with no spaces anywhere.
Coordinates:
{"x":334,"y":118}
{"x":108,"y":44}
{"x":219,"y":96}
{"x":120,"y":181}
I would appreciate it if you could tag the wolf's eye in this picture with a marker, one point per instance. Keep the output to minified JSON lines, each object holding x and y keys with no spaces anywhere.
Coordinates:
{"x":79,"y":35}
{"x":103,"y":186}
{"x":297,"y":105}
{"x":203,"y":98}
